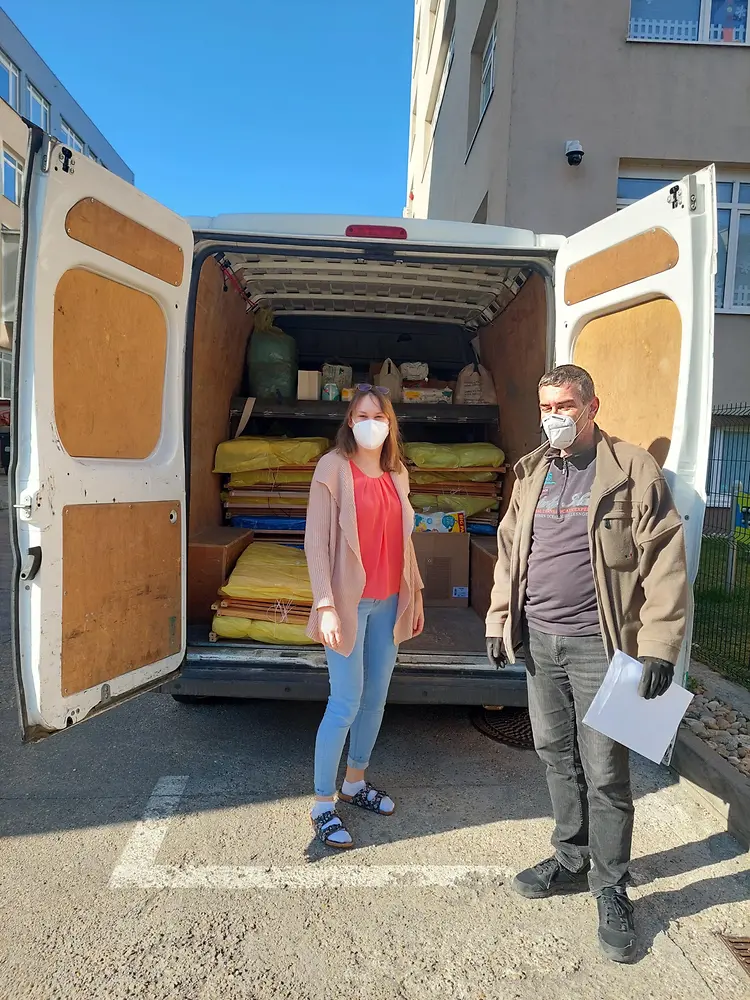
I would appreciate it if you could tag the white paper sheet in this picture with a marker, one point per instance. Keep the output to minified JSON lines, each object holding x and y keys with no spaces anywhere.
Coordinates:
{"x":617,"y":711}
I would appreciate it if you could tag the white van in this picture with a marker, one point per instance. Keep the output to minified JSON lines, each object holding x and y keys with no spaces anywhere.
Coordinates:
{"x":132,"y":330}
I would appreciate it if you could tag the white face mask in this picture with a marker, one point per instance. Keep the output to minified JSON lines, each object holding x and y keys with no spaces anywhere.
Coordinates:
{"x":370,"y":434}
{"x":561,"y":430}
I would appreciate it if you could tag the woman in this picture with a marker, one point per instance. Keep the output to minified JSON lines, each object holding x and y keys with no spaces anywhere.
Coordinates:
{"x":367,"y":597}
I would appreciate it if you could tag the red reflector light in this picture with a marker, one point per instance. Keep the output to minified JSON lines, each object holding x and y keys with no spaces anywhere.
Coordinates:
{"x":378,"y":232}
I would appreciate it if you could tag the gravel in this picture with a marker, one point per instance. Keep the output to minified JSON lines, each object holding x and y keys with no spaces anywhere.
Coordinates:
{"x":722,"y":728}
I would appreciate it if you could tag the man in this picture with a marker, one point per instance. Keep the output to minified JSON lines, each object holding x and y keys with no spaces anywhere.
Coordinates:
{"x":591,"y":559}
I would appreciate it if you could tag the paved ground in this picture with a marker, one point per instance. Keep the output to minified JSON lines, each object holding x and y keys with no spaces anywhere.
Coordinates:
{"x":218,"y":893}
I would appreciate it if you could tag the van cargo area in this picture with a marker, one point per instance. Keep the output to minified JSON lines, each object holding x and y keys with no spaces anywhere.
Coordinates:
{"x":359,"y":308}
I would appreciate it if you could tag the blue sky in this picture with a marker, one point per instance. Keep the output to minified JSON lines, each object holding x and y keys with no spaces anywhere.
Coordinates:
{"x":288,"y":105}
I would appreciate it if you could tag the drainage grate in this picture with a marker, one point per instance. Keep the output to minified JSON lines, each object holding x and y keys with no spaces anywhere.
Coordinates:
{"x":511,"y":726}
{"x":740,"y":948}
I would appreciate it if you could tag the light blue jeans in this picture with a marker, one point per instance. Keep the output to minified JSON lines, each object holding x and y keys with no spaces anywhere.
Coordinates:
{"x":359,"y":686}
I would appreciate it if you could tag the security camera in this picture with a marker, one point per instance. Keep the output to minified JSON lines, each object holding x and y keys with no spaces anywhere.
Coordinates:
{"x":574,"y":152}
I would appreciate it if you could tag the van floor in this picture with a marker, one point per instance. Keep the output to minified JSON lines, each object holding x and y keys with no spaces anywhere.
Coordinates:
{"x":450,"y":629}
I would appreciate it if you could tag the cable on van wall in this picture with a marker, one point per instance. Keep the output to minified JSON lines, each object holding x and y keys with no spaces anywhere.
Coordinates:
{"x":231,"y":278}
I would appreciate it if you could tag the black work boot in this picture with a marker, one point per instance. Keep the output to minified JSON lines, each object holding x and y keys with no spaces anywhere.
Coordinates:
{"x":617,"y":937}
{"x":549,"y":878}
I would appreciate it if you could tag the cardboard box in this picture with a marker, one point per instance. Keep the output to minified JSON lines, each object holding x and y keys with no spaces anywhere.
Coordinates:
{"x":308,"y":385}
{"x":443,"y":561}
{"x":483,"y":559}
{"x":212,"y":555}
{"x":427,"y":396}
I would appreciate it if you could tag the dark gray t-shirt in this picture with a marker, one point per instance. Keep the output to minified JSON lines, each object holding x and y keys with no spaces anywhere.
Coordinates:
{"x":560,"y":594}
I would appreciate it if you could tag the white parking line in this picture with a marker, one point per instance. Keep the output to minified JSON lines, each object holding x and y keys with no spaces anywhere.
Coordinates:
{"x":137,"y":866}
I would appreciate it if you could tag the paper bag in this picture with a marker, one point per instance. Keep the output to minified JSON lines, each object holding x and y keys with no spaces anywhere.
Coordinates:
{"x":390,"y":379}
{"x":475,"y":387}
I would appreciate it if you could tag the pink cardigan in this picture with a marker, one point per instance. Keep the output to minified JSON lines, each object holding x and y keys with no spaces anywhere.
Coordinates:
{"x":333,"y":557}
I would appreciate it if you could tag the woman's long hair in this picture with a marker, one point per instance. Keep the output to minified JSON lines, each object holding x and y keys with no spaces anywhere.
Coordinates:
{"x":392,"y":455}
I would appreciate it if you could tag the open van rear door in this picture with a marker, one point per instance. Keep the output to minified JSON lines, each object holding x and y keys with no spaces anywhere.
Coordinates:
{"x":635,"y":307}
{"x":98,"y":475}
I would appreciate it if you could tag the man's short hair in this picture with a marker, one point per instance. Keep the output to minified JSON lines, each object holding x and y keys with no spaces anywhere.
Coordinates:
{"x":570,"y":375}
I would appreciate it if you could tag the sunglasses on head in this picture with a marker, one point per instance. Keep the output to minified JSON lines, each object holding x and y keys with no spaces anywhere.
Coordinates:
{"x":366,"y":387}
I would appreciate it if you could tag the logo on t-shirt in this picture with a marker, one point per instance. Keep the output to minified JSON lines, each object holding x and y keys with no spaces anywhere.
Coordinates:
{"x":549,"y":504}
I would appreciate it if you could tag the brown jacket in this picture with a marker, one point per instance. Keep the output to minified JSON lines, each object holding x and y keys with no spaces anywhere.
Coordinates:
{"x":337,"y":575}
{"x":637,"y":551}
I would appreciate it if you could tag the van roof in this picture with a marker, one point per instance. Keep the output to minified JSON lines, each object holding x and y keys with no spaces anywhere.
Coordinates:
{"x":424,"y":231}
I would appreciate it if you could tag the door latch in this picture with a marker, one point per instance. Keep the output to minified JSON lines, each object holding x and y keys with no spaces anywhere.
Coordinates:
{"x":31,"y":563}
{"x":26,"y":505}
{"x":29,"y":503}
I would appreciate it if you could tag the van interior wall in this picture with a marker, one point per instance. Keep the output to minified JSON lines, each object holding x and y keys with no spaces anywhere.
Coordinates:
{"x":221,"y":331}
{"x":513,"y":348}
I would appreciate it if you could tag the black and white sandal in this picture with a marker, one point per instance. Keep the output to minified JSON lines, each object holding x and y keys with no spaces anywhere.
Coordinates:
{"x":365,"y":800}
{"x":328,"y":823}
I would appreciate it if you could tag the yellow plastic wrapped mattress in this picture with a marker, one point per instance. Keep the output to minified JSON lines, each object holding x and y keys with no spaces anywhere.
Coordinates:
{"x":428,"y":503}
{"x":251,"y":454}
{"x":271,"y":477}
{"x":270,"y":572}
{"x":280,"y":634}
{"x":431,"y":478}
{"x":480,"y":454}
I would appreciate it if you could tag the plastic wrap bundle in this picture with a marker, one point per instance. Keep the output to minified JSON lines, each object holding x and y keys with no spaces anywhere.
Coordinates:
{"x":267,"y":597}
{"x":273,"y":633}
{"x":457,"y":477}
{"x":270,"y":477}
{"x":271,"y":360}
{"x":428,"y":503}
{"x":269,"y":572}
{"x":259,"y":454}
{"x":268,"y":488}
{"x":426,"y":455}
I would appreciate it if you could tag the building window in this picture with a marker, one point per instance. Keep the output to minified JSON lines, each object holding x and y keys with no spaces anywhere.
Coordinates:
{"x":8,"y":81}
{"x":432,"y":26}
{"x":481,"y":71}
{"x":732,"y":291}
{"x":70,"y":138}
{"x":444,"y":75}
{"x":418,"y":16}
{"x":12,"y":175}
{"x":488,"y":72}
{"x":480,"y":216}
{"x":718,"y":21}
{"x":38,"y":109}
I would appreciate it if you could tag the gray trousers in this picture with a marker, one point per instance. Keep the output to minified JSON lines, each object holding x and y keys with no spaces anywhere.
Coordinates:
{"x":588,"y":774}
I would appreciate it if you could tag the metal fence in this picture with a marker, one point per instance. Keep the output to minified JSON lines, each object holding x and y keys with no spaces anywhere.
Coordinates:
{"x":721,"y":636}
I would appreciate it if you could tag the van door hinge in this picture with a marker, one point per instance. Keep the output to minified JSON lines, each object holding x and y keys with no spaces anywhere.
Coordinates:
{"x":695,"y":193}
{"x":675,"y":196}
{"x":49,"y":144}
{"x":67,"y":160}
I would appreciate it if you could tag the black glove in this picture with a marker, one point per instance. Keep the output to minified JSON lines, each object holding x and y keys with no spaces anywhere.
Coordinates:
{"x":496,"y":652}
{"x":656,"y":678}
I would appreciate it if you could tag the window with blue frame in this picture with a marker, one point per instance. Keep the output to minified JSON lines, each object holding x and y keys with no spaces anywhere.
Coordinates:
{"x":712,"y":21}
{"x":9,"y":81}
